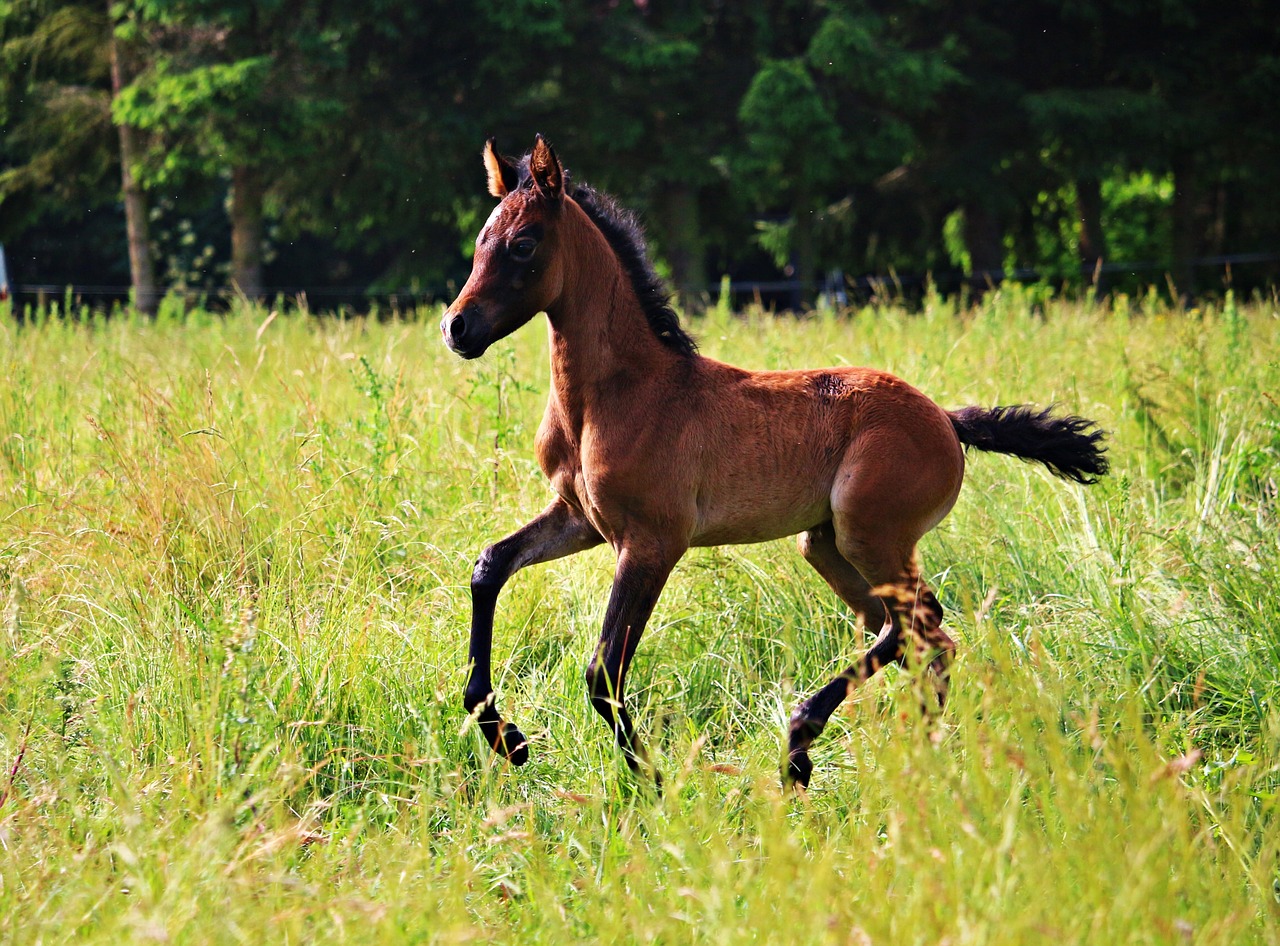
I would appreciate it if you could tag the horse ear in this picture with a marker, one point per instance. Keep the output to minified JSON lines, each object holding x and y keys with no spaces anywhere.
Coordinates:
{"x":546,"y":170}
{"x":503,"y":175}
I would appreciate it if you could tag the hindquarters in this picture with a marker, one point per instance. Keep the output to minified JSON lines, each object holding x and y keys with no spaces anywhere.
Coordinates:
{"x":899,"y":477}
{"x":899,"y":480}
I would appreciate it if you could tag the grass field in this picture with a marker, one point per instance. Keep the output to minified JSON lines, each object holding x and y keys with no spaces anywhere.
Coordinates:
{"x":234,"y":564}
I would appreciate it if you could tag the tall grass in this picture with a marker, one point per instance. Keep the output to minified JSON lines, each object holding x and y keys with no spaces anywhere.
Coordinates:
{"x":234,"y":558}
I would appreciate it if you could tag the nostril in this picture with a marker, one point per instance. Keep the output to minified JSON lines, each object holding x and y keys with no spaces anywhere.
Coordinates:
{"x":457,"y":327}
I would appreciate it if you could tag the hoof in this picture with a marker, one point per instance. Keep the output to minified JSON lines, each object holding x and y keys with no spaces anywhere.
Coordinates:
{"x":512,"y":745}
{"x":644,"y":771}
{"x":798,"y":770}
{"x":648,"y":781}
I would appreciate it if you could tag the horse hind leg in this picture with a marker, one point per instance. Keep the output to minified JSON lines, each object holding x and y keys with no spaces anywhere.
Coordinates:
{"x":917,"y":612}
{"x":818,"y":546}
{"x":912,"y":628}
{"x":918,"y":609}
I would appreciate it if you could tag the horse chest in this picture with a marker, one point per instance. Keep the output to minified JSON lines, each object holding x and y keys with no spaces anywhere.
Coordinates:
{"x":583,"y":470}
{"x":559,"y":452}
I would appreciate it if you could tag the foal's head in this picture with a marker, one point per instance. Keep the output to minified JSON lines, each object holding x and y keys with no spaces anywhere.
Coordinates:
{"x":516,"y":272}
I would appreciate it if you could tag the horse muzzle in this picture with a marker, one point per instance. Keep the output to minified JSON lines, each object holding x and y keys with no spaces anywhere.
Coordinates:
{"x":466,"y":331}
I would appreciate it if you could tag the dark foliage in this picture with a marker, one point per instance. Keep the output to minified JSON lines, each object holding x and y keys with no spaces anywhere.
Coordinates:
{"x":1099,"y":142}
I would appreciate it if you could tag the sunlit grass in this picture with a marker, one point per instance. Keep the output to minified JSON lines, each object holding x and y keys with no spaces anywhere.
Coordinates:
{"x":234,"y":558}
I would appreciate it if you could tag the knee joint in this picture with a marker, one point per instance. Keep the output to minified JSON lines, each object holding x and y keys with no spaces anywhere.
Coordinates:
{"x":928,"y":602}
{"x":805,"y":728}
{"x":488,"y":576}
{"x":602,"y":687}
{"x":476,"y":698}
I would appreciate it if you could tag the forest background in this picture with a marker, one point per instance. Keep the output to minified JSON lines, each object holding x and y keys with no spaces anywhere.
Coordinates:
{"x":290,"y":146}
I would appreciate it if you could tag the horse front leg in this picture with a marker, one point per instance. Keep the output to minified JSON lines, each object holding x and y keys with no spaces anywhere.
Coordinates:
{"x":559,"y":531}
{"x":641,"y":574}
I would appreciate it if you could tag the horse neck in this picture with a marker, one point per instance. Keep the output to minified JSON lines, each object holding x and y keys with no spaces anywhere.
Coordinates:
{"x":598,"y":327}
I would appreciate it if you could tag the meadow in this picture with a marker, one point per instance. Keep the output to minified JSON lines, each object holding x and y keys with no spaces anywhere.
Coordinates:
{"x":234,"y":561}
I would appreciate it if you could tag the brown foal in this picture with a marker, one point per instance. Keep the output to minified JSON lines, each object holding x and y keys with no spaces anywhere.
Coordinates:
{"x":654,"y":449}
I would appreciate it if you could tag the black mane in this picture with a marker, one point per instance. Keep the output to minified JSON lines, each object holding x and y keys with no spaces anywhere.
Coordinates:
{"x":623,"y":232}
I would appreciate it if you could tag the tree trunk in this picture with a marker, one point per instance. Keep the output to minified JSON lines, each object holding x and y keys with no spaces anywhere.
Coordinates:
{"x":985,"y":243}
{"x":1218,"y":224}
{"x":1093,"y":242}
{"x":142,"y":276}
{"x":803,"y":255}
{"x":1185,"y":244}
{"x":677,"y":213}
{"x":246,"y":230}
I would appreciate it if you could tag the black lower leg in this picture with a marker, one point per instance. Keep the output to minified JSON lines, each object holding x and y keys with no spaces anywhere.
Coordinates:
{"x":638,"y":581}
{"x":478,"y":698}
{"x":934,"y":649}
{"x":604,"y":689}
{"x":557,"y":532}
{"x":811,"y":716}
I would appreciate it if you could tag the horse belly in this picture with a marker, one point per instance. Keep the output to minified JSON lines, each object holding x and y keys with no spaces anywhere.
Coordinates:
{"x":757,"y":505}
{"x":770,"y":461}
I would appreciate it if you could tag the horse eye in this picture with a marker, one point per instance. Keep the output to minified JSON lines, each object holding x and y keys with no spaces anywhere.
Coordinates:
{"x":522,"y":249}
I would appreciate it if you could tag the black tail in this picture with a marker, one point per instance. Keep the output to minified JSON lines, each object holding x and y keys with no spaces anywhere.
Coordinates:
{"x":1071,"y":447}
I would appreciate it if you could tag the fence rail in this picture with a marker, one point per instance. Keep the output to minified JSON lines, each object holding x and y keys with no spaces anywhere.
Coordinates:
{"x":833,"y":282}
